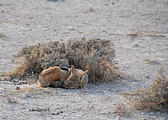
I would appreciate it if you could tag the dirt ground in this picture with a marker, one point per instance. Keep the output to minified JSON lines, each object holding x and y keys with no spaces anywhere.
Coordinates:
{"x":139,"y":29}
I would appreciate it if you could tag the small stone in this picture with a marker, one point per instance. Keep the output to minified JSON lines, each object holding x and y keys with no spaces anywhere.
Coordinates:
{"x":106,"y":4}
{"x":147,"y":77}
{"x":91,"y":9}
{"x":17,"y":88}
{"x":57,"y":113}
{"x":136,"y":45}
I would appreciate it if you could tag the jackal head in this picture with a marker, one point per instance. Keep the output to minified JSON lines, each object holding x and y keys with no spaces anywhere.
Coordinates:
{"x":76,"y":80}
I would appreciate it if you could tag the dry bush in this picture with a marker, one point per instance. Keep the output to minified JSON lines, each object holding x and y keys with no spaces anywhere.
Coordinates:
{"x":39,"y":57}
{"x":30,"y":64}
{"x":155,"y":97}
{"x":96,"y":55}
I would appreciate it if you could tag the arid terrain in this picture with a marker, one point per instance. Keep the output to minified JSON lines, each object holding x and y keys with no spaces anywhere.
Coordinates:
{"x":138,"y":28}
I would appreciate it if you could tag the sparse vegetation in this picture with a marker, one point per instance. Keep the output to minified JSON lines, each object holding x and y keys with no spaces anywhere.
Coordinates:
{"x":123,"y":110}
{"x":38,"y":57}
{"x":134,"y":34}
{"x":96,"y":55}
{"x":147,"y":34}
{"x":155,"y":97}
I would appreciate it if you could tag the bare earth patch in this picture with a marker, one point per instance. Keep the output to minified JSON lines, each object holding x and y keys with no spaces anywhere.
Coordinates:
{"x":138,"y":29}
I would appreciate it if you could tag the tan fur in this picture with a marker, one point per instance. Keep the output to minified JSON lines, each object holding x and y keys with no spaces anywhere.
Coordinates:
{"x":77,"y":79}
{"x":59,"y":78}
{"x":50,"y":75}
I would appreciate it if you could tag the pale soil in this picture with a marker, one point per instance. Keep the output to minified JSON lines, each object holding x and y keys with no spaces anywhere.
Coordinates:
{"x":28,"y":22}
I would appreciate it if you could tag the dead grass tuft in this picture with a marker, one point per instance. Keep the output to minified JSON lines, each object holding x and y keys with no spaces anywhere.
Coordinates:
{"x":133,"y":34}
{"x":123,"y":110}
{"x":156,"y":96}
{"x":96,"y":55}
{"x":146,"y":34}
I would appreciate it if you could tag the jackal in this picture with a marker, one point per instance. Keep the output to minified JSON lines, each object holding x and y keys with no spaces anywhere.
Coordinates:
{"x":63,"y":77}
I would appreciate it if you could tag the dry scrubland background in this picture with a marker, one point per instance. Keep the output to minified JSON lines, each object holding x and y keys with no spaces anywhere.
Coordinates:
{"x":138,"y":28}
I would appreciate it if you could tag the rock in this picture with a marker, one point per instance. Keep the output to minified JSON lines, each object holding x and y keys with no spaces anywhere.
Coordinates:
{"x":91,"y":9}
{"x":17,"y":88}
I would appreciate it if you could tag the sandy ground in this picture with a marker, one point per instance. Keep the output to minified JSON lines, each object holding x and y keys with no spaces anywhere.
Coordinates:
{"x":139,"y":56}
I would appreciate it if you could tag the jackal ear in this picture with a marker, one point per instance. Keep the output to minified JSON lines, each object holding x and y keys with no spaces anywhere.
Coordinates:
{"x":83,"y":73}
{"x":73,"y":70}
